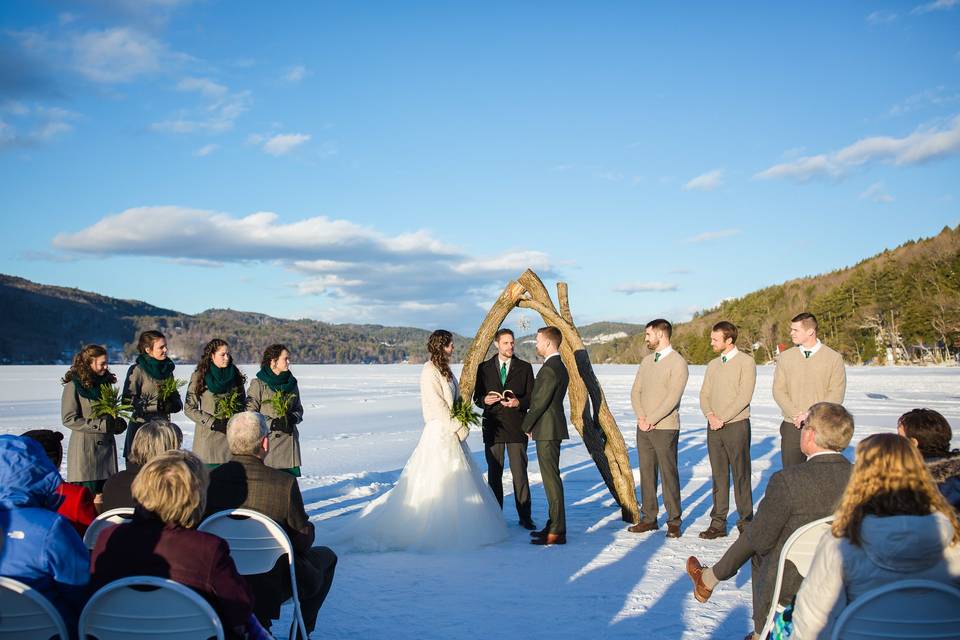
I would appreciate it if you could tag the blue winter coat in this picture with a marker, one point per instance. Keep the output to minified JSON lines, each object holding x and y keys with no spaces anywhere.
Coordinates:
{"x":39,"y":547}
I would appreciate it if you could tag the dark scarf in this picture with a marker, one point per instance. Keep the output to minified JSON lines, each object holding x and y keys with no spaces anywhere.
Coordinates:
{"x":219,"y":380}
{"x":283,"y":382}
{"x":92,"y":392}
{"x":156,"y":369}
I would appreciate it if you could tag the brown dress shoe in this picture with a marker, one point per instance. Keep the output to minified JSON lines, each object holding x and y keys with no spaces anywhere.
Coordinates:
{"x":673,"y":531}
{"x":695,"y":571}
{"x":550,"y":538}
{"x":643,"y":527}
{"x":713,"y":532}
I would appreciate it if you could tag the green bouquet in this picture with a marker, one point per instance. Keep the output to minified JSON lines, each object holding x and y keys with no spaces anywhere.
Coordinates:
{"x":111,"y":404}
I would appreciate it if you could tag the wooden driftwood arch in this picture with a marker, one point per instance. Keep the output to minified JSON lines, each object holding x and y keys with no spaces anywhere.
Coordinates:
{"x":588,"y":408}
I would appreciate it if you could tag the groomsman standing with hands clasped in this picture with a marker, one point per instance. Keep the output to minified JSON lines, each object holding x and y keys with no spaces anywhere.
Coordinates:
{"x":725,"y":398}
{"x":806,"y":374}
{"x":655,"y":396}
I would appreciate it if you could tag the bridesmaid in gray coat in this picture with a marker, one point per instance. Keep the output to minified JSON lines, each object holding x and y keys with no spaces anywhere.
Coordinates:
{"x":274,"y":376}
{"x":215,"y":377}
{"x":142,"y":386}
{"x":92,"y":449}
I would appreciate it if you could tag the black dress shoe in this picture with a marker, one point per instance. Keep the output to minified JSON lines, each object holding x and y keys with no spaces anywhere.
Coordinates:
{"x":551,"y":538}
{"x":539,"y":534}
{"x":528,"y":525}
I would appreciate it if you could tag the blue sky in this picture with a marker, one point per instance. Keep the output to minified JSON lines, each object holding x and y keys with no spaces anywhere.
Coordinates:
{"x":398,"y":163}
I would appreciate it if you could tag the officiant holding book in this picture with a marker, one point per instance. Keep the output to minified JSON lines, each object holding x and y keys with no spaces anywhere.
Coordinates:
{"x":503,"y":390}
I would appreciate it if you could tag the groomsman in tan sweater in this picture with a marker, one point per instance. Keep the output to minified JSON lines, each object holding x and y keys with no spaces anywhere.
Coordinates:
{"x":806,"y":374}
{"x":725,"y":401}
{"x":656,"y":401}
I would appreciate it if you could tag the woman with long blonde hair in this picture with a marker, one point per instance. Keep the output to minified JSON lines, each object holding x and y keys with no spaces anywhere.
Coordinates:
{"x":892,"y":524}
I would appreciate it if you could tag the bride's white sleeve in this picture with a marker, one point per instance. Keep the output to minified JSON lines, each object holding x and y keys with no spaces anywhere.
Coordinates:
{"x":432,"y":399}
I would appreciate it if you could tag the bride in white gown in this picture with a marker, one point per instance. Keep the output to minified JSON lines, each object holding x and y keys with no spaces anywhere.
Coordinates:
{"x":441,"y":500}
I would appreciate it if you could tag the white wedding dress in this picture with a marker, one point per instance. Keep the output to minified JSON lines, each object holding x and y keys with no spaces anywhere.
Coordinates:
{"x":441,"y":500}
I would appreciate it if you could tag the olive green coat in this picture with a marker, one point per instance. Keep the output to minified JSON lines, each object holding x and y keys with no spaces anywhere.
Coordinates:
{"x":284,"y":447}
{"x":143,"y":392}
{"x":209,"y":445}
{"x":92,"y":449}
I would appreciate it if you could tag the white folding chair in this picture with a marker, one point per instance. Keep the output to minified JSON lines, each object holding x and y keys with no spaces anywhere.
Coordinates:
{"x":104,"y":520}
{"x":25,"y":614}
{"x":905,"y":609}
{"x":147,"y":605}
{"x":256,"y":542}
{"x":798,"y":549}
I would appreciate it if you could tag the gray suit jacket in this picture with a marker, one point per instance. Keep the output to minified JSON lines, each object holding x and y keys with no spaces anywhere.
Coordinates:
{"x":545,"y":419}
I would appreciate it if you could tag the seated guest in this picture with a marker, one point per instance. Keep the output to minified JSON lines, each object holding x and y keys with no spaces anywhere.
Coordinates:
{"x":246,"y":482}
{"x":158,"y":436}
{"x":931,"y":434}
{"x":77,"y":505}
{"x":161,"y":541}
{"x":795,"y":496}
{"x":39,"y":547}
{"x":892,"y":525}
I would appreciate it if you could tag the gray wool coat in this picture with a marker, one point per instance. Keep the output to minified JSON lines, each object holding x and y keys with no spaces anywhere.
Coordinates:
{"x":209,"y":445}
{"x":143,"y":392}
{"x":92,"y":449}
{"x":284,"y":447}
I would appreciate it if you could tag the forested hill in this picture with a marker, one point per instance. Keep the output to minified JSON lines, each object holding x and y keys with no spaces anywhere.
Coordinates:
{"x":43,"y":324}
{"x":906,"y":298}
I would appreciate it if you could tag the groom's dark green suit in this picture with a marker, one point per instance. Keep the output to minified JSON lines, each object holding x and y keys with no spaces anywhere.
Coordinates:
{"x":546,"y":422}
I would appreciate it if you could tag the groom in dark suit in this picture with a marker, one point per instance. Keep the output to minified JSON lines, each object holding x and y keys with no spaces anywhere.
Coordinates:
{"x":546,"y":423}
{"x":502,"y":418}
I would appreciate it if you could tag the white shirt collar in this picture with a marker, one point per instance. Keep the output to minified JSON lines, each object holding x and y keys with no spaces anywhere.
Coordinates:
{"x":824,"y":453}
{"x":500,"y":362}
{"x":729,"y":356}
{"x":665,"y":352}
{"x":555,"y":353}
{"x":812,"y":349}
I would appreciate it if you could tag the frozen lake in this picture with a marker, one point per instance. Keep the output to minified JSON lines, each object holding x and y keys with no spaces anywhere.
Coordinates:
{"x":362,"y":422}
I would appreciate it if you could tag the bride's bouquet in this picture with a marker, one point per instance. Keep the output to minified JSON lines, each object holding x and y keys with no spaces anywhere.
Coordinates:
{"x":463,"y":413}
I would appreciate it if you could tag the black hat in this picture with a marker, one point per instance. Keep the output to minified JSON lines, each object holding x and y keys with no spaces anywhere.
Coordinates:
{"x":50,"y":441}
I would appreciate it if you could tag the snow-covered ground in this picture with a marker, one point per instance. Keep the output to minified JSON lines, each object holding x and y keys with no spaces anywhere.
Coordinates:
{"x":361,"y":423}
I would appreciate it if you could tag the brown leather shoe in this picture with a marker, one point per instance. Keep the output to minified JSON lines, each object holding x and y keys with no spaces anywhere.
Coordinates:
{"x":643,"y":527}
{"x":695,"y":571}
{"x":713,"y":533}
{"x":550,"y":538}
{"x":673,"y":531}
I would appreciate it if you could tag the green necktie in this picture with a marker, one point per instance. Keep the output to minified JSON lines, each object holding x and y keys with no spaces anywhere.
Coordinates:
{"x":806,"y":354}
{"x":656,"y":357}
{"x":503,"y":373}
{"x":724,"y":359}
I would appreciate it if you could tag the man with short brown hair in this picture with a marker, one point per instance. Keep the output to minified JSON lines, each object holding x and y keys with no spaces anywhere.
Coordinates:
{"x":808,"y":373}
{"x":655,"y":397}
{"x":725,"y":397}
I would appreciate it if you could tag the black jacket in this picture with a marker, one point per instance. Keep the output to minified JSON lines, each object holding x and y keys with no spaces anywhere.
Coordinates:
{"x":502,"y":424}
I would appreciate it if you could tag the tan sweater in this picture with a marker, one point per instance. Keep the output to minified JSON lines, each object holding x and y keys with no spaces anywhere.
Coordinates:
{"x":728,"y":388}
{"x":657,"y":390}
{"x":799,"y":383}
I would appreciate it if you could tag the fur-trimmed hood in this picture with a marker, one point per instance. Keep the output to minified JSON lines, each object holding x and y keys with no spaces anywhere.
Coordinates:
{"x":942,"y":469}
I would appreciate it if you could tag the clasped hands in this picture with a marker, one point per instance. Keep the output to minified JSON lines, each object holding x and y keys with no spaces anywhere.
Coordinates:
{"x":800,"y":418}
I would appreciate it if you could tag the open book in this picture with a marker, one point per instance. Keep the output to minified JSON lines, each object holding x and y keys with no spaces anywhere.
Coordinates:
{"x":506,"y":395}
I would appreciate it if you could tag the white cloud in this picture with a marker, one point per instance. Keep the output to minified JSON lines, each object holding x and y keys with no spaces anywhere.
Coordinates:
{"x":936,"y":97}
{"x":365,"y":273}
{"x":920,"y":146}
{"x":713,"y":235}
{"x":876,"y":193}
{"x":116,"y":55}
{"x":217,"y":115}
{"x":881,"y":17}
{"x":296,"y":74}
{"x":33,"y":125}
{"x":284,"y":143}
{"x":206,"y":150}
{"x":937,"y":5}
{"x":631,"y":288}
{"x":206,"y":86}
{"x":705,"y":182}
